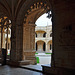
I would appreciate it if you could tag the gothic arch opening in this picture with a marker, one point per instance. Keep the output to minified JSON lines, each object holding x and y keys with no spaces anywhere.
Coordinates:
{"x":32,"y":14}
{"x":5,"y":35}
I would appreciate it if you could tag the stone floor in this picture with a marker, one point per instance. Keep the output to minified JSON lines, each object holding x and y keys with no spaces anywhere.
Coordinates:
{"x":7,"y":70}
{"x":37,"y":68}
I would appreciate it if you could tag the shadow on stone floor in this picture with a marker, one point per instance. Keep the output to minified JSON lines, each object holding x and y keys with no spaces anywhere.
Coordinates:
{"x":7,"y":70}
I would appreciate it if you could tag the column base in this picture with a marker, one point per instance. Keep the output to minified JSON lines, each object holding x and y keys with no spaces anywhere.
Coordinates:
{"x":30,"y":55}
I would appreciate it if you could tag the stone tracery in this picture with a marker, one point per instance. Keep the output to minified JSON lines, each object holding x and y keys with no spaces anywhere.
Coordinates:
{"x":5,"y":26}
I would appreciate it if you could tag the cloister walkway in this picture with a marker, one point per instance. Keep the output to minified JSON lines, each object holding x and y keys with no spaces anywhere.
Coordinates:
{"x":7,"y":70}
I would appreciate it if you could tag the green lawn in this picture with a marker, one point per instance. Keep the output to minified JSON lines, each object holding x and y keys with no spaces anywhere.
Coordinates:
{"x":48,"y":53}
{"x":36,"y":53}
{"x":37,"y":59}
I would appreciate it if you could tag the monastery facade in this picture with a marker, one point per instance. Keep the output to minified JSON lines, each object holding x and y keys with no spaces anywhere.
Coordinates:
{"x":43,"y":38}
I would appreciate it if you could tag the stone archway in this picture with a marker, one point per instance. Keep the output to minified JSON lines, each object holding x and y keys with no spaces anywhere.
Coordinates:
{"x":5,"y":24}
{"x":63,"y":29}
{"x":57,"y":13}
{"x":29,"y":28}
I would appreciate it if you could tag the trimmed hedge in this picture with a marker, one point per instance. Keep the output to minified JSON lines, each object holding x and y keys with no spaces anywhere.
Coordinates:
{"x":36,"y":53}
{"x":37,"y":59}
{"x":48,"y":53}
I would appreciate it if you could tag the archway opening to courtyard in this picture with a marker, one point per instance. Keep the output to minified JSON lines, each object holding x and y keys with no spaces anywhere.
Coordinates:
{"x":44,"y":33}
{"x":5,"y":38}
{"x":36,"y":33}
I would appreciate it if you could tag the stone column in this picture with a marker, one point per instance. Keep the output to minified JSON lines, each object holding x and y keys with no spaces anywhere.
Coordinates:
{"x":13,"y":43}
{"x":16,"y":44}
{"x":29,"y":42}
{"x":1,"y":38}
{"x":16,"y":38}
{"x":4,"y":46}
{"x":13,"y":37}
{"x":7,"y":40}
{"x":46,"y":47}
{"x":40,"y":46}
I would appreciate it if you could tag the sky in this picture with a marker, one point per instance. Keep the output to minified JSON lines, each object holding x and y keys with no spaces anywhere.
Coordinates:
{"x":43,"y":20}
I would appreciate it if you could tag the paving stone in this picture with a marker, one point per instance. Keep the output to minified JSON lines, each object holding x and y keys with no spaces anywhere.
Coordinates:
{"x":7,"y":70}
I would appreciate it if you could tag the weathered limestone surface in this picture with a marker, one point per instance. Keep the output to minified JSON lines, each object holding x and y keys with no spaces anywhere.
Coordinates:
{"x":63,"y":14}
{"x":63,"y":31}
{"x":29,"y":42}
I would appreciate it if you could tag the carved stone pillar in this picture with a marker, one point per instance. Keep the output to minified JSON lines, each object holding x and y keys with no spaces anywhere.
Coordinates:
{"x":16,"y":44}
{"x":40,"y":46}
{"x":1,"y":39}
{"x":46,"y":47}
{"x":13,"y":43}
{"x":29,"y":42}
{"x":7,"y":39}
{"x":4,"y":46}
{"x":16,"y":39}
{"x":49,"y":47}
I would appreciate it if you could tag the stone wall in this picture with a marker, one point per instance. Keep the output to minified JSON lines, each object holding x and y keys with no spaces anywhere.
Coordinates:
{"x":63,"y":34}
